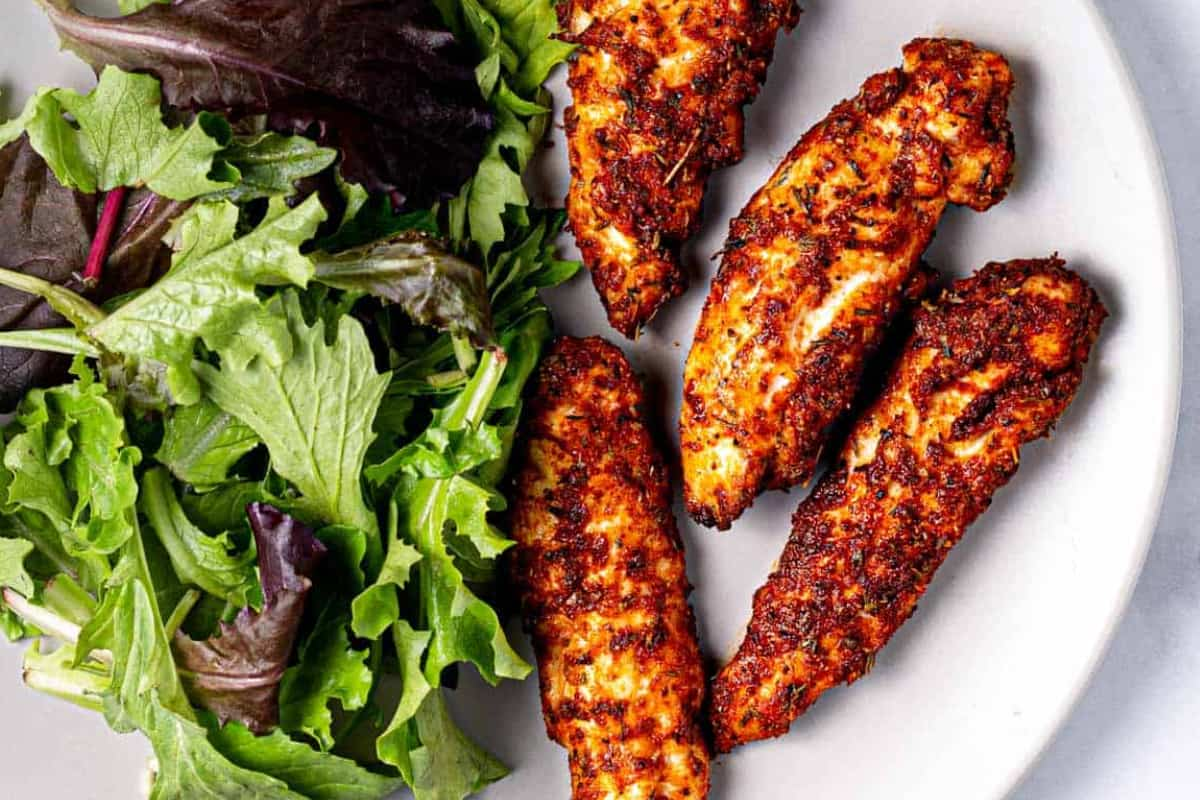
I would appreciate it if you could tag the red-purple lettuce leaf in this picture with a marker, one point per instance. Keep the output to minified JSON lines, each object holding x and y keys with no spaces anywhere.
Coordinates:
{"x":46,"y":230}
{"x":381,"y":80}
{"x":236,"y":672}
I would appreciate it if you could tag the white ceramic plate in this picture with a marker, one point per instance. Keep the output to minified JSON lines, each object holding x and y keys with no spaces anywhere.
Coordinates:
{"x":972,"y":689}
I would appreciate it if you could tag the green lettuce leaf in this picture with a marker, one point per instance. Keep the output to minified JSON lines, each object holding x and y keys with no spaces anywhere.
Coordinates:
{"x":115,"y":136}
{"x":191,"y":768}
{"x":328,"y":669}
{"x":270,"y":164}
{"x":313,"y":411}
{"x":72,"y":472}
{"x":197,"y":558}
{"x":201,"y":443}
{"x":436,"y":759}
{"x":312,"y":773}
{"x":12,"y":565}
{"x":209,"y":292}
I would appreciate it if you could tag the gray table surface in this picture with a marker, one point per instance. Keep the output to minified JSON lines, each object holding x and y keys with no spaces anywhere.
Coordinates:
{"x":1135,"y":733}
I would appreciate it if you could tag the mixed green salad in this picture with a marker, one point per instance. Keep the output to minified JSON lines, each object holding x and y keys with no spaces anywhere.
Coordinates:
{"x":269,"y":297}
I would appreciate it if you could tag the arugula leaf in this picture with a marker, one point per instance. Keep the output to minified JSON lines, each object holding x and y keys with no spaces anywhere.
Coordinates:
{"x":384,"y":83}
{"x":312,"y":773}
{"x":197,"y":558}
{"x":209,"y":292}
{"x":116,"y":137}
{"x":497,"y":185}
{"x":519,"y":33}
{"x":12,"y":565}
{"x":236,"y":673}
{"x":314,"y":412}
{"x":432,"y":286}
{"x":201,"y":443}
{"x":463,"y":627}
{"x":327,"y":669}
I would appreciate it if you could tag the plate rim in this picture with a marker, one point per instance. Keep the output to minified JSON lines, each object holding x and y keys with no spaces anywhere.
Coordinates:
{"x":1169,"y":433}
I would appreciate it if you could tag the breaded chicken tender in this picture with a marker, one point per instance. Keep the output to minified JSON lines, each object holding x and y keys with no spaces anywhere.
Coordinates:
{"x":990,"y":367}
{"x":816,"y":267}
{"x":600,"y":567}
{"x":658,"y":88}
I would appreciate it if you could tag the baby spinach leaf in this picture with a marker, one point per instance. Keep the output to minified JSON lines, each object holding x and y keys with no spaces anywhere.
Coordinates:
{"x":270,"y":164}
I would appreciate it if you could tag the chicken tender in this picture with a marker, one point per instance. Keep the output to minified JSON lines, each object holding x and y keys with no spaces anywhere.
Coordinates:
{"x":658,"y":87}
{"x":600,"y":567}
{"x":992,"y":366}
{"x":816,"y":266}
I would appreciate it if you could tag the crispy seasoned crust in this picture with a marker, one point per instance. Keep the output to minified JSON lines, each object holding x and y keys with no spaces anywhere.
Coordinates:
{"x":600,"y":566}
{"x":990,"y":367}
{"x":815,"y":268}
{"x":658,"y":87}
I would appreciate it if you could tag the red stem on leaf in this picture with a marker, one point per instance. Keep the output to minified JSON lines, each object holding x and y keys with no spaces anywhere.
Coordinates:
{"x":114,"y":202}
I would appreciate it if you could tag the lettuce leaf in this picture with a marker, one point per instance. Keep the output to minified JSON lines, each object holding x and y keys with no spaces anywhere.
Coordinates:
{"x":328,"y":669}
{"x":115,"y":136}
{"x":191,"y":768}
{"x":12,"y":565}
{"x":201,"y":444}
{"x":431,"y":285}
{"x":312,"y":773}
{"x":209,"y":293}
{"x":314,"y":411}
{"x":197,"y":558}
{"x":69,"y":470}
